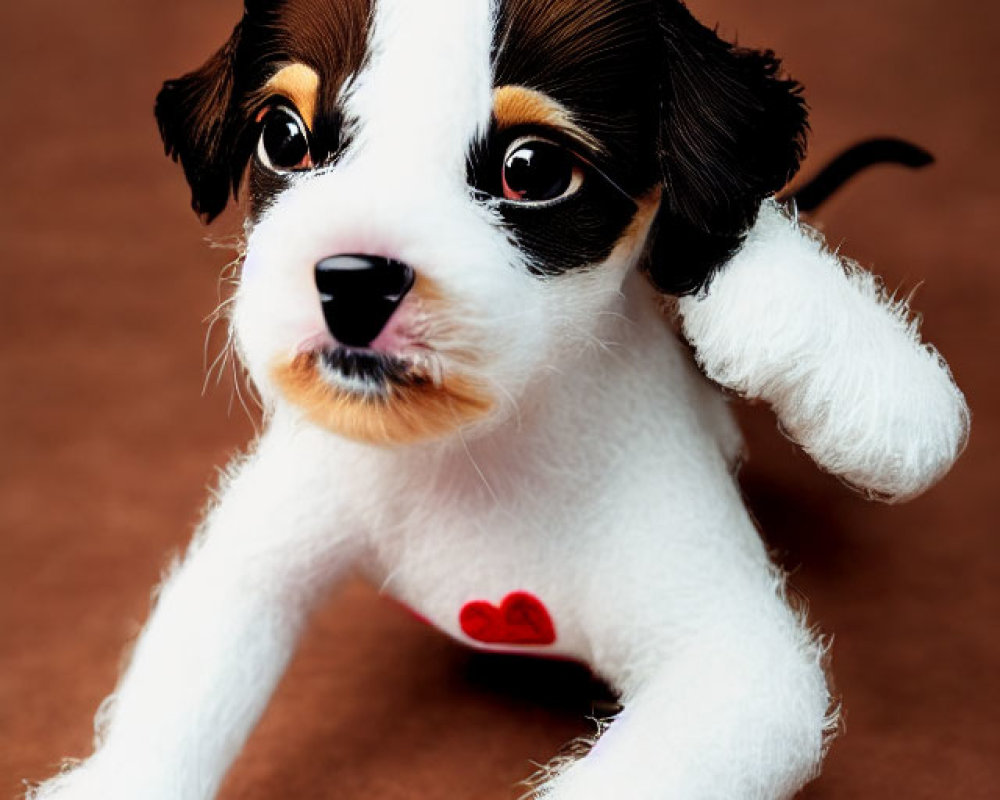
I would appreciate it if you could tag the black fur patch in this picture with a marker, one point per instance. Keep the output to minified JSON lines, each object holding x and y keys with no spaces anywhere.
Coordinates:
{"x":579,"y":230}
{"x":595,"y":57}
{"x":207,"y":118}
{"x":731,"y":134}
{"x":585,"y":55}
{"x":265,"y":186}
{"x":671,"y":103}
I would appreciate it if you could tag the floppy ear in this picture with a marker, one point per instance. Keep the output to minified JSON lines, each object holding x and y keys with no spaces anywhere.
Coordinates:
{"x":731,"y":134}
{"x":202,"y":127}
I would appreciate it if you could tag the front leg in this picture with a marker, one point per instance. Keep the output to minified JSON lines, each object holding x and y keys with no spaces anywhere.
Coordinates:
{"x":222,"y":632}
{"x":723,"y":687}
{"x":733,"y":716}
{"x":840,"y":360}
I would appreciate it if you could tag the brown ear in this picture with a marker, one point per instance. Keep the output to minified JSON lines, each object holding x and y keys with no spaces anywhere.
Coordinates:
{"x":202,"y":127}
{"x":732,"y":132}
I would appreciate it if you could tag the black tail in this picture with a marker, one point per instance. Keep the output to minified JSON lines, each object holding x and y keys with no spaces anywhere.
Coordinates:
{"x":815,"y":192}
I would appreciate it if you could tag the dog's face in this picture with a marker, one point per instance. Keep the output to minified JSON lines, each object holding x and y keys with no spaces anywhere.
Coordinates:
{"x":444,"y":196}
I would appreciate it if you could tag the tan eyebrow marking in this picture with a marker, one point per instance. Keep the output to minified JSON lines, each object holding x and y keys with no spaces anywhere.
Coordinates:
{"x":300,"y":84}
{"x":518,"y":105}
{"x":646,"y":208}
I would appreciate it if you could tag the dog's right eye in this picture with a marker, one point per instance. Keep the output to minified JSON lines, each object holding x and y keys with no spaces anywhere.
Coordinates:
{"x":284,"y":141}
{"x":539,"y":171}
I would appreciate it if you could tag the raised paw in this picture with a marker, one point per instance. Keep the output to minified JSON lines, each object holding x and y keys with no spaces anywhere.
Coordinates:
{"x":77,"y":781}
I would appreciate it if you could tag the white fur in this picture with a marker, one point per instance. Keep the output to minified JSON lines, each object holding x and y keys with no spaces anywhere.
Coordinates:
{"x":790,"y":322}
{"x":673,"y":601}
{"x":602,"y":482}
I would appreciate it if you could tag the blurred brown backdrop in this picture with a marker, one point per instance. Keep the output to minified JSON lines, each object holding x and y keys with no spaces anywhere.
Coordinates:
{"x":108,"y":445}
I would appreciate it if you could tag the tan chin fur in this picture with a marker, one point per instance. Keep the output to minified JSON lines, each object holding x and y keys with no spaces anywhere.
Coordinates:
{"x":408,"y":414}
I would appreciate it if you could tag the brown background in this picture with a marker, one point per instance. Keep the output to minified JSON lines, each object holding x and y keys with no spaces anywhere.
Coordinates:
{"x":108,"y":445}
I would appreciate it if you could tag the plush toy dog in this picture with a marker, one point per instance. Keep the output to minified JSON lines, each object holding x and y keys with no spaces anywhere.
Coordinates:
{"x":464,"y":219}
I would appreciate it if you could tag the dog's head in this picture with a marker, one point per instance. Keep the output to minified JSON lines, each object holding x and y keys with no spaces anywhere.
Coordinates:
{"x":445,"y":195}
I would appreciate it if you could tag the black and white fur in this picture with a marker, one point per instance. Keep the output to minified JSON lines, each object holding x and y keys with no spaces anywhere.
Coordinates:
{"x":583,"y":457}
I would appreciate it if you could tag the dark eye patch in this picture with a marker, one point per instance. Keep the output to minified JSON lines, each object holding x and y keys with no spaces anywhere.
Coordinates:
{"x":326,"y":142}
{"x":265,"y":186}
{"x":592,"y":58}
{"x":579,"y":230}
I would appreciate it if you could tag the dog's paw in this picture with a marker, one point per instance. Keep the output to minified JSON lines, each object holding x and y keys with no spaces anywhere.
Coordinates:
{"x":77,"y":781}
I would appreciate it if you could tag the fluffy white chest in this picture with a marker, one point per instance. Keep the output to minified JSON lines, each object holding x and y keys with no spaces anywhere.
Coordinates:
{"x":534,"y":537}
{"x":504,"y":585}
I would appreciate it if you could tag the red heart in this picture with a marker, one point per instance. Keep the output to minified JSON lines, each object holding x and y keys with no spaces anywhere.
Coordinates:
{"x":521,"y":620}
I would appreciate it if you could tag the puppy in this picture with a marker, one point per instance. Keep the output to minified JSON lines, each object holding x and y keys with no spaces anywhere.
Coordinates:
{"x":474,"y":231}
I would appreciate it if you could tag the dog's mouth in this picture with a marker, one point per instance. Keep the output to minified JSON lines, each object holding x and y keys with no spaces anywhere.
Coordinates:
{"x":410,"y":384}
{"x":370,"y":373}
{"x":378,"y":398}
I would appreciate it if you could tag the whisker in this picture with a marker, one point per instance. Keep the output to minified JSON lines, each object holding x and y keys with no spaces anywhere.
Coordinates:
{"x":514,"y":405}
{"x":475,"y":466}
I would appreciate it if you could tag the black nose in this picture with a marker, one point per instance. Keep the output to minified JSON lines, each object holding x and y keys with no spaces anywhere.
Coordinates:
{"x":359,"y":294}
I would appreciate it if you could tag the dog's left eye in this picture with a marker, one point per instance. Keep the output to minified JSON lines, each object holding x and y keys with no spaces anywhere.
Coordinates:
{"x":284,"y":141}
{"x":537,"y":171}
